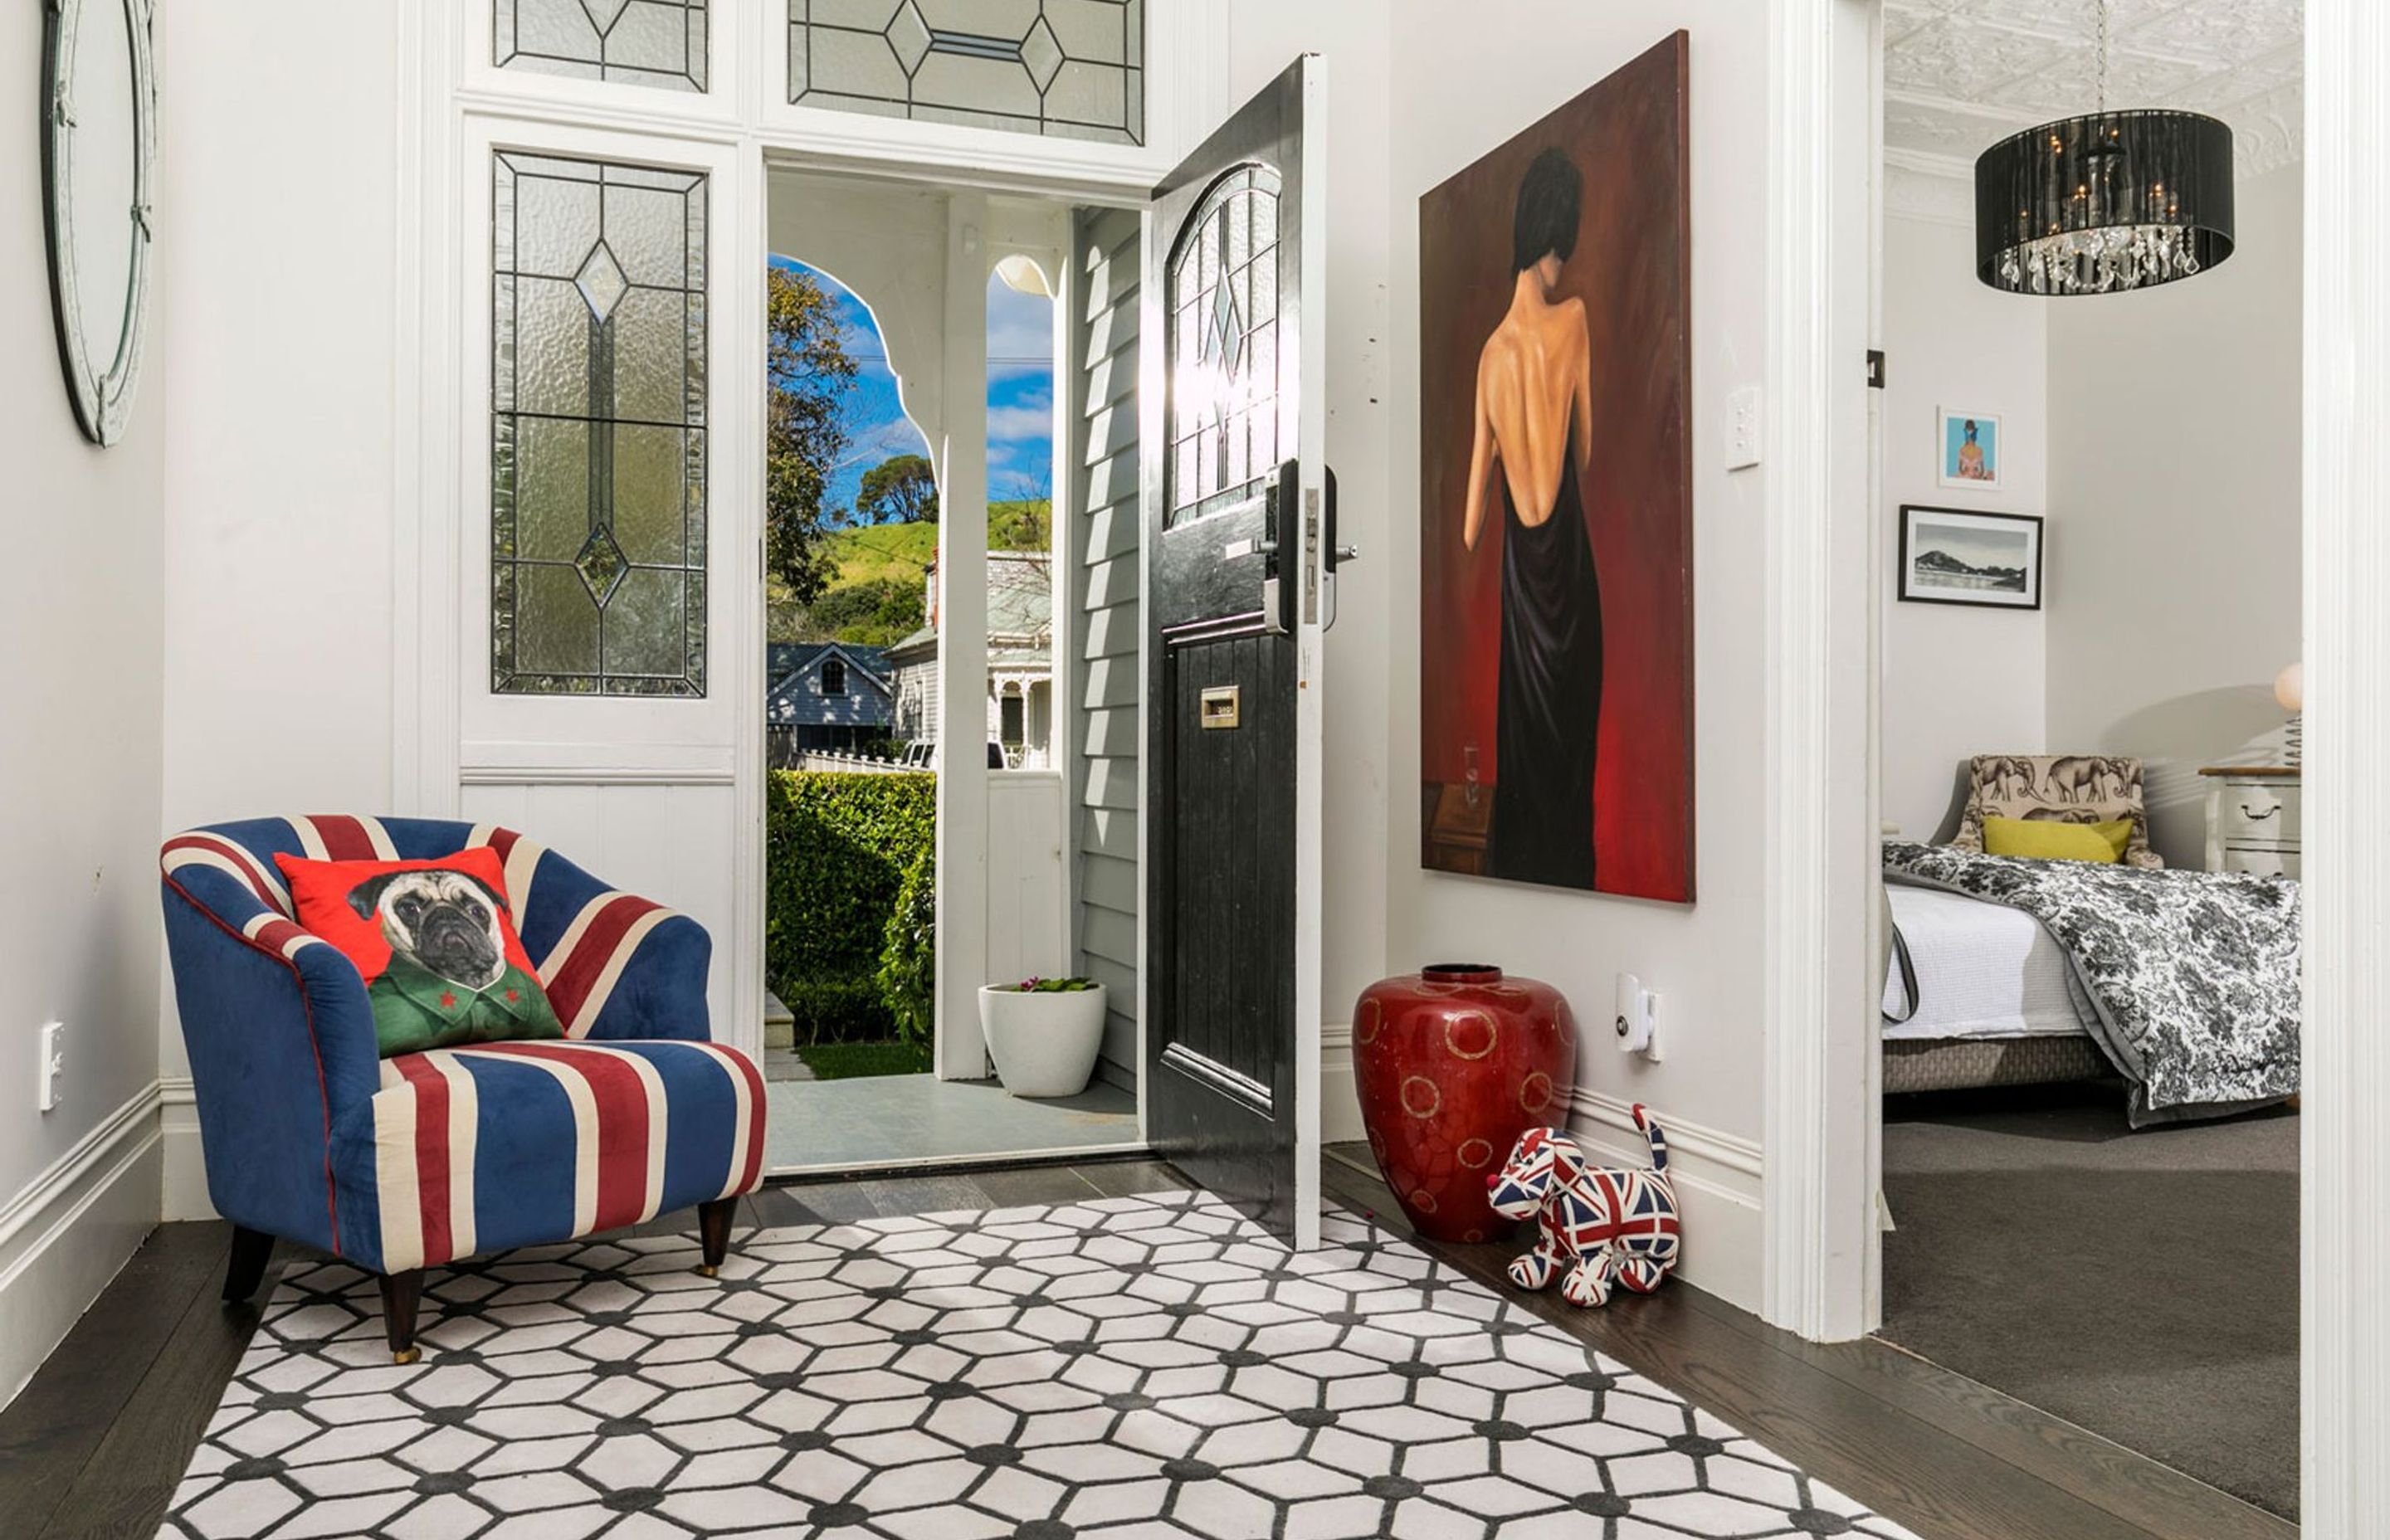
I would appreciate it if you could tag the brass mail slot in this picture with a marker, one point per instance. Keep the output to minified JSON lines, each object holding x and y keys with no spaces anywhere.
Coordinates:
{"x":1220,"y":707}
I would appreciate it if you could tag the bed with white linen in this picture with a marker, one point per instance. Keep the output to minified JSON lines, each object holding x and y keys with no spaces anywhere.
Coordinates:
{"x":2185,"y":983}
{"x":1992,"y":1004}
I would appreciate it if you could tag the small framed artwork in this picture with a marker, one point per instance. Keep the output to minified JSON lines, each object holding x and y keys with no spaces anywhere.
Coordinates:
{"x":1950,"y":556}
{"x":1971,"y":450}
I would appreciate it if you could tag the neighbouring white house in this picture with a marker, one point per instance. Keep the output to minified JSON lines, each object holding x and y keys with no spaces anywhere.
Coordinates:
{"x":1020,"y":663}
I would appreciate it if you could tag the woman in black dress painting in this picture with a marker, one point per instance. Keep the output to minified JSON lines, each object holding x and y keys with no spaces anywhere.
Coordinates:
{"x":1535,"y":427}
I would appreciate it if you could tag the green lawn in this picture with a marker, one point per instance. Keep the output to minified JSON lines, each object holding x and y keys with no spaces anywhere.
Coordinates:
{"x":861,"y":1060}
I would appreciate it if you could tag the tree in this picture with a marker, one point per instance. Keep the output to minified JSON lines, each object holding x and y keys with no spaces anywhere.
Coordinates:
{"x":876,"y":613}
{"x":901,"y":489}
{"x":812,"y":375}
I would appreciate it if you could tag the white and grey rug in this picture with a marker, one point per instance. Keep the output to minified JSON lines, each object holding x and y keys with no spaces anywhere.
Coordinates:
{"x":1128,"y":1367}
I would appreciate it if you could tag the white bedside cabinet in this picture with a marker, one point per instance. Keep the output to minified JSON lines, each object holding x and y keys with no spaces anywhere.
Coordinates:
{"x":2253,"y":818}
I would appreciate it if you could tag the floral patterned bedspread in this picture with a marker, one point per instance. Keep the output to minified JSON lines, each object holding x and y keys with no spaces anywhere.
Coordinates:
{"x":2192,"y":978}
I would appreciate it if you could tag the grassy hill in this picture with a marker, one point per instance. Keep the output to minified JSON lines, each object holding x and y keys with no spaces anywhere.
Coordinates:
{"x":876,"y":598}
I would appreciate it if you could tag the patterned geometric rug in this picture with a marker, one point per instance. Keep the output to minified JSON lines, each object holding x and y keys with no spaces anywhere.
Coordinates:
{"x":1128,"y":1367}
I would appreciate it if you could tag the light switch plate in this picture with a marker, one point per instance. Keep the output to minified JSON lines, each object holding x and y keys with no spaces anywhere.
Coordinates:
{"x":1743,"y":428}
{"x":53,"y":1062}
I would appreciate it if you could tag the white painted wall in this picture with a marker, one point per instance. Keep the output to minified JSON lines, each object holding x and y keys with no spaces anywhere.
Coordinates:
{"x":2175,"y":482}
{"x":1456,"y":92}
{"x":277,"y":365}
{"x":1957,"y":681}
{"x":79,"y":775}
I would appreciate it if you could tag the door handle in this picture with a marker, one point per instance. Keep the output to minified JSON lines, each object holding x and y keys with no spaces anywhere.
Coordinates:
{"x":1334,"y":557}
{"x":1280,"y":584}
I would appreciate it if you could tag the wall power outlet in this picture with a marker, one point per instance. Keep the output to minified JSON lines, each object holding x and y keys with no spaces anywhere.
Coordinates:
{"x":1638,"y":1018}
{"x":53,"y":1062}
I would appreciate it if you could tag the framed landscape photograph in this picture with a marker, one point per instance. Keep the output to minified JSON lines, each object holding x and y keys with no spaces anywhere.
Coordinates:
{"x":1952,"y":555}
{"x":1971,"y":450}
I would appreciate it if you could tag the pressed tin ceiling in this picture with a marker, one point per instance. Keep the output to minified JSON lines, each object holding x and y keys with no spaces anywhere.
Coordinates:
{"x":1961,"y":74}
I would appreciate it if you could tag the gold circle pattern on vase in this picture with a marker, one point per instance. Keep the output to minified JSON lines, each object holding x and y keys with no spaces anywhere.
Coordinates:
{"x":1470,"y":1034}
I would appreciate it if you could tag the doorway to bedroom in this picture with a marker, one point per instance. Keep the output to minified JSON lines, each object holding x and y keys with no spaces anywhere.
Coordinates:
{"x":923,"y":733}
{"x":2089,"y":696}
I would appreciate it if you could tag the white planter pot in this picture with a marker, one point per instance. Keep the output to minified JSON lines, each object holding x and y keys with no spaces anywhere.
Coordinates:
{"x":1044,"y":1045}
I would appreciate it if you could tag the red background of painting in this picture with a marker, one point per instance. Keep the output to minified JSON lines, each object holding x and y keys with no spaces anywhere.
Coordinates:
{"x":1632,"y":268}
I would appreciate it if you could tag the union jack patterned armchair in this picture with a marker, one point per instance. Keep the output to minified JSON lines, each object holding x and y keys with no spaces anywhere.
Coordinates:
{"x":403,"y":1163}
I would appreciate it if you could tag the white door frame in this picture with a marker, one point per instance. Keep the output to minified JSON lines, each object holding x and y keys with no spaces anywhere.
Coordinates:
{"x":1821,"y":886}
{"x":446,"y":83}
{"x":1819,"y":892}
{"x":2343,"y":1157}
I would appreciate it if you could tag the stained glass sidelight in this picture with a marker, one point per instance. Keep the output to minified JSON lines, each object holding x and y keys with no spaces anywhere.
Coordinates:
{"x":597,"y":430}
{"x":659,"y":42}
{"x":1066,"y":69}
{"x":1224,"y":346}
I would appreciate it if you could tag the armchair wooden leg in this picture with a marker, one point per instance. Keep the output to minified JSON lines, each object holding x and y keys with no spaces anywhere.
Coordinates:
{"x":714,"y":1233}
{"x":401,"y":1293}
{"x":251,"y":1252}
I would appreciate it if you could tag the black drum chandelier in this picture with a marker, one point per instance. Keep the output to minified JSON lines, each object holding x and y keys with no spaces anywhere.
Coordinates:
{"x":2104,"y":203}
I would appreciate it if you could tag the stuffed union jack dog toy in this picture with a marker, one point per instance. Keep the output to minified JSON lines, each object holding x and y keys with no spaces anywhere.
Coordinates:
{"x":1595,"y":1225}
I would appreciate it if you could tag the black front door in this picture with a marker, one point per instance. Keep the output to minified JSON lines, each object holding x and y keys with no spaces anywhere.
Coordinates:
{"x":1238,"y":521}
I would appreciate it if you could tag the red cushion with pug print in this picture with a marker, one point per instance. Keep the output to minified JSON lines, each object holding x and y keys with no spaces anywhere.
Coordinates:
{"x":436,"y":942}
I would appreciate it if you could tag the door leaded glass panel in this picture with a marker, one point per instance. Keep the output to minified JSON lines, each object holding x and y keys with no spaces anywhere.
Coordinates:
{"x":659,"y":42}
{"x":1065,"y":68}
{"x":1223,"y":339}
{"x":598,"y":428}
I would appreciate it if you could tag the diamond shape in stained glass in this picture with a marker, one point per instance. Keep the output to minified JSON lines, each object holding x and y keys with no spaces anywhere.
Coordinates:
{"x":602,"y":282}
{"x":1042,"y":53}
{"x":600,"y":564}
{"x":909,"y":36}
{"x":1227,"y":341}
{"x":603,"y":13}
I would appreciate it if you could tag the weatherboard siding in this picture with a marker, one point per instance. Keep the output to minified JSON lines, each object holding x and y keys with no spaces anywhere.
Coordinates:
{"x":1103,"y":594}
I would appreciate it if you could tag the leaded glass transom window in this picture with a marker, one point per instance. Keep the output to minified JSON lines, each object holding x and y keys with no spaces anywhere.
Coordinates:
{"x":1066,"y":69}
{"x":597,"y":430}
{"x":659,"y":42}
{"x":1224,"y":346}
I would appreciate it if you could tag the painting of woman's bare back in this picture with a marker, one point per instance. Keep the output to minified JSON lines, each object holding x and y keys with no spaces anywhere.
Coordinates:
{"x":1556,"y":493}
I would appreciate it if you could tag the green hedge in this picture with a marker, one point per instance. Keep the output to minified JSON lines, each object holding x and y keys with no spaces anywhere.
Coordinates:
{"x":839,"y":849}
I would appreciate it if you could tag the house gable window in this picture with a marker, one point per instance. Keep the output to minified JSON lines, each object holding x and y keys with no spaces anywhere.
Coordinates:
{"x":1064,"y":69}
{"x":833,"y":676}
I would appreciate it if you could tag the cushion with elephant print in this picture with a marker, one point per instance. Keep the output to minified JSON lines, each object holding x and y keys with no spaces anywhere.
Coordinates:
{"x":436,"y":942}
{"x":2068,"y":789}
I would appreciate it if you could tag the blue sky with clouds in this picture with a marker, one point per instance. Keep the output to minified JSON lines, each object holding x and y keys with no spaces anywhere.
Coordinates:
{"x":1019,"y":393}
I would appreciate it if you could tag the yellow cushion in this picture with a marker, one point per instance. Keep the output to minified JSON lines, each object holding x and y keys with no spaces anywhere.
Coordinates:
{"x":2054,"y":841}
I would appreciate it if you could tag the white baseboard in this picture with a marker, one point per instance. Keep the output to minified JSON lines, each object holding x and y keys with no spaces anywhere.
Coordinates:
{"x":69,"y":1231}
{"x":1718,"y":1175}
{"x":1340,"y":1099}
{"x":185,"y":1195}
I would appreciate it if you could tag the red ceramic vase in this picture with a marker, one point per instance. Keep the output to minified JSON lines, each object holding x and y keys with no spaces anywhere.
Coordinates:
{"x":1453,"y":1064}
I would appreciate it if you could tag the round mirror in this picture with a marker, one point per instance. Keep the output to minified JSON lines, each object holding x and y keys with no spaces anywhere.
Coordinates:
{"x":98,"y":143}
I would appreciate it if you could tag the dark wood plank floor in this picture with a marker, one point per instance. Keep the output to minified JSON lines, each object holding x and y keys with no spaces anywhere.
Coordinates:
{"x":96,"y":1444}
{"x":1944,"y":1455}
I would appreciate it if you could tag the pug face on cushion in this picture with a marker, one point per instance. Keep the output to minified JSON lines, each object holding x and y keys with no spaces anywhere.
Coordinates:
{"x":446,"y":921}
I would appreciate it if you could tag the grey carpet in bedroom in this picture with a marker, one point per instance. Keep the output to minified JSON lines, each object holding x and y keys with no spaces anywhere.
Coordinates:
{"x":2143,"y":1286}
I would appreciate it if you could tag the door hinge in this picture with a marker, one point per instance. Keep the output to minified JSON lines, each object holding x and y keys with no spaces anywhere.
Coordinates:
{"x":1875,"y":368}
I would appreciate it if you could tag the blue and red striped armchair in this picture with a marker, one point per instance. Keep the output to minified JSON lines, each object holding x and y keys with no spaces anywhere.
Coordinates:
{"x":403,"y":1163}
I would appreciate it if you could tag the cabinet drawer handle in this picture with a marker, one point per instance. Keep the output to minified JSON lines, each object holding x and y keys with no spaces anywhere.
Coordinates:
{"x":2256,"y":817}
